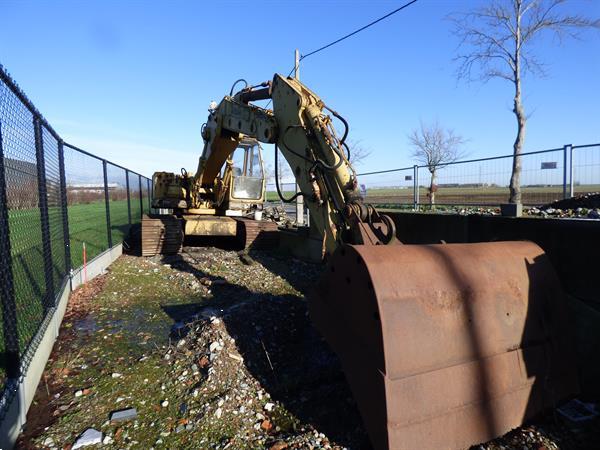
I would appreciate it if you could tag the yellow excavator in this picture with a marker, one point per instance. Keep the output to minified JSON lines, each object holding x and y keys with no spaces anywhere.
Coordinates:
{"x":444,"y":346}
{"x":224,"y":199}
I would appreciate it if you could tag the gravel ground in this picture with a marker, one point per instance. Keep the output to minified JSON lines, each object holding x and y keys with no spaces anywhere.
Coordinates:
{"x":214,"y":351}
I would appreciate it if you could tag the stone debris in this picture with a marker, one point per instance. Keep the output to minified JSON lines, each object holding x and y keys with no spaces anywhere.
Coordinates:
{"x":88,"y":437}
{"x":123,"y":414}
{"x":243,"y":368}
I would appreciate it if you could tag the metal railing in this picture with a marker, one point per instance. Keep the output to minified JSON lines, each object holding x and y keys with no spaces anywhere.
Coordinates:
{"x":58,"y":205}
{"x":546,"y":176}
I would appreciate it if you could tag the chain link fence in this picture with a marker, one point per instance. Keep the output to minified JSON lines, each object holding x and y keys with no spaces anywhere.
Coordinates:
{"x":546,"y":176}
{"x":59,"y":206}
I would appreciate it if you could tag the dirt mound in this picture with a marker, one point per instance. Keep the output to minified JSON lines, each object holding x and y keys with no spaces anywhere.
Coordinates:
{"x":587,"y":201}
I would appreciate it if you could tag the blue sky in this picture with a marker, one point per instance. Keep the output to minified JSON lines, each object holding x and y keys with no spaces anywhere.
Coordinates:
{"x":132,"y":80}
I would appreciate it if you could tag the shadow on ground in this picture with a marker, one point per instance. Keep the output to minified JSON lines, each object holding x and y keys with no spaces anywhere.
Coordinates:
{"x":280,"y":347}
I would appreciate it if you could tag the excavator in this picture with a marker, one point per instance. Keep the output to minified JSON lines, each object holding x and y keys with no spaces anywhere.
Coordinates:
{"x":228,"y":191}
{"x":443,"y":345}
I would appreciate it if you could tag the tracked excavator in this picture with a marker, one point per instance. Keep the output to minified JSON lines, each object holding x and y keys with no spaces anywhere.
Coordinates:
{"x":444,"y":345}
{"x":222,"y":200}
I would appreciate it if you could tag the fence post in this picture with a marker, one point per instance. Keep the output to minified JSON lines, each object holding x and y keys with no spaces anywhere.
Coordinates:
{"x":7,"y":291}
{"x":107,"y":203}
{"x":141,"y":197}
{"x":48,"y":300}
{"x":566,"y":150}
{"x":128,"y":197}
{"x":415,"y":188}
{"x":149,"y":199}
{"x":571,"y":182}
{"x":64,"y":204}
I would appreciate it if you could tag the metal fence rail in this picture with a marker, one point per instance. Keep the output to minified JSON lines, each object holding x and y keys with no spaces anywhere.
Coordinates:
{"x":546,"y":176}
{"x":58,"y":205}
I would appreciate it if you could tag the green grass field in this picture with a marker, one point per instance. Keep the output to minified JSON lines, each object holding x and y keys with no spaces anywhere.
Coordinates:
{"x":463,"y":195}
{"x":87,"y":223}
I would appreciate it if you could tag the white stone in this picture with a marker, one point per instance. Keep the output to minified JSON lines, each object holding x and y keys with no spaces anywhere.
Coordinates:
{"x":88,"y":437}
{"x":218,"y":413}
{"x":107,"y":440}
{"x":165,"y":403}
{"x":116,"y":375}
{"x":79,"y":393}
{"x":269,"y":406}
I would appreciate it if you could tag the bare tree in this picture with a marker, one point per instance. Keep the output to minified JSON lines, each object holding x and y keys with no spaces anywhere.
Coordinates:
{"x":283,"y":170}
{"x":496,"y":41}
{"x":358,"y":152}
{"x":435,"y":147}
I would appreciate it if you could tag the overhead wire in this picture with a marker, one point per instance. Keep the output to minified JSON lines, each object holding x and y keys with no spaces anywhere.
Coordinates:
{"x":370,"y":24}
{"x":320,"y":49}
{"x":406,"y":5}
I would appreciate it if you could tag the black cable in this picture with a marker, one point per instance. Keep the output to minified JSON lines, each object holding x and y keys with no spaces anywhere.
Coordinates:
{"x":347,"y":127}
{"x":289,"y":148}
{"x":347,"y":150}
{"x":281,"y":197}
{"x":318,"y":162}
{"x":236,"y":82}
{"x":358,"y":31}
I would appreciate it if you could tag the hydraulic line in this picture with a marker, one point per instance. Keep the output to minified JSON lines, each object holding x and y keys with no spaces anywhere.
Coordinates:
{"x":281,"y":197}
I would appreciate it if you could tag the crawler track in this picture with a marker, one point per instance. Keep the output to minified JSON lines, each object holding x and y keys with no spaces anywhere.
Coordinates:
{"x":163,"y":235}
{"x":257,"y":234}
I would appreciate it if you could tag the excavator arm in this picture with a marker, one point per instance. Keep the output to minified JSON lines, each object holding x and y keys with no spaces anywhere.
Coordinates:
{"x":301,"y":129}
{"x":445,"y":345}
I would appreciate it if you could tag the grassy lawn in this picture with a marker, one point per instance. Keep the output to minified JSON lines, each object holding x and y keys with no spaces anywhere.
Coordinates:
{"x":120,"y":325}
{"x":87,"y":223}
{"x":463,"y":195}
{"x":273,"y":197}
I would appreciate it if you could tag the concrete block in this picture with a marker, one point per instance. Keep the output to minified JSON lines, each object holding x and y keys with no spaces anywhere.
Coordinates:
{"x":511,"y":209}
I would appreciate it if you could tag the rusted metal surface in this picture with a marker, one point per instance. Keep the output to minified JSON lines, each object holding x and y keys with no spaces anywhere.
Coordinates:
{"x":446,"y":346}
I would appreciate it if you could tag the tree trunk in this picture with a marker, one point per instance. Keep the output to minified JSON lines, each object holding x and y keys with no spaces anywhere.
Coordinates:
{"x":432,"y":188}
{"x":515,"y":178}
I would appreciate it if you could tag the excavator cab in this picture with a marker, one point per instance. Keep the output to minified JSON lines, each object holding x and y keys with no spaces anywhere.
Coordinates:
{"x":248,"y":175}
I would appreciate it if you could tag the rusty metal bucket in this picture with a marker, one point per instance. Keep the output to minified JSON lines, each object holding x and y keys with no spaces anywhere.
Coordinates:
{"x":450,"y":345}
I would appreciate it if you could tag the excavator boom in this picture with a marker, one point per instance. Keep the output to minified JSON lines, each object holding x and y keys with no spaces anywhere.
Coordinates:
{"x":444,"y":346}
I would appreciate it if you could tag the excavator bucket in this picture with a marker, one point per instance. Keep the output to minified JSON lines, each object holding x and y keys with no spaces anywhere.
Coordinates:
{"x":446,"y":346}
